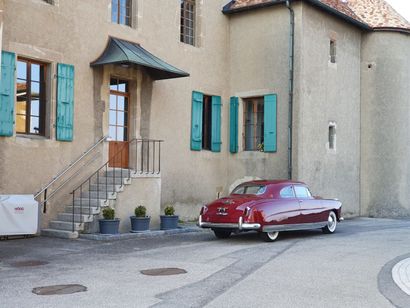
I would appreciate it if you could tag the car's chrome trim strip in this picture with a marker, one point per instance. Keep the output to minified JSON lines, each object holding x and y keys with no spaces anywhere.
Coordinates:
{"x":240,"y":225}
{"x":292,"y":227}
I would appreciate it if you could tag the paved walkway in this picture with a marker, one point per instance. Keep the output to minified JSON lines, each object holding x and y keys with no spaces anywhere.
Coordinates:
{"x":401,"y":275}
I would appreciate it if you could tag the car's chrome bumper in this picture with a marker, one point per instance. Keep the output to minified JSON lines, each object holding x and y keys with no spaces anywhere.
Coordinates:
{"x":219,"y":225}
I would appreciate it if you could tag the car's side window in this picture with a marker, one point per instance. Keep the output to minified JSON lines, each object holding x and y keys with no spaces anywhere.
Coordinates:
{"x":287,"y":192}
{"x":302,"y":192}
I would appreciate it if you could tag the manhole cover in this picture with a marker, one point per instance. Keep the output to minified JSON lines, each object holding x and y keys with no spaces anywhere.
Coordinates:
{"x":59,"y":289}
{"x":28,"y":263}
{"x":163,"y":271}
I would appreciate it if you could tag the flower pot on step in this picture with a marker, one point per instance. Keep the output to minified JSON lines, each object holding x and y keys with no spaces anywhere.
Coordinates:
{"x":139,"y":224}
{"x":109,"y":226}
{"x":169,"y":222}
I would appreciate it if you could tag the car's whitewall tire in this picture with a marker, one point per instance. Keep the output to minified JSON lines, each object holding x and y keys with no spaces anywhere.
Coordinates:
{"x":331,"y":223}
{"x":269,"y":236}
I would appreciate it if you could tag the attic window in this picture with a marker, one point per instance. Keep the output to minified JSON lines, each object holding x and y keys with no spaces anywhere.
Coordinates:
{"x":332,"y":51}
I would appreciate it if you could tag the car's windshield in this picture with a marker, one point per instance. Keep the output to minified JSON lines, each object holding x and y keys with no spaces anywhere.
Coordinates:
{"x":249,"y":190}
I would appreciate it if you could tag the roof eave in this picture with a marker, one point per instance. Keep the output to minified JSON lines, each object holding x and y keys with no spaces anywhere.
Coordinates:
{"x":393,"y":29}
{"x":228,"y":11}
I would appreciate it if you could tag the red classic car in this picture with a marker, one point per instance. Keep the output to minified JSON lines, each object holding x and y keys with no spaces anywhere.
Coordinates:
{"x":270,"y":207}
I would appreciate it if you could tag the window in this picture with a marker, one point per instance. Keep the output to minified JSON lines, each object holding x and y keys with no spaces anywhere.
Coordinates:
{"x":188,"y":22}
{"x":49,"y":1}
{"x":254,"y":124}
{"x":249,"y":190}
{"x":206,"y":122}
{"x":30,"y":97}
{"x":302,"y":192}
{"x":332,"y":51}
{"x":332,"y":136}
{"x":287,"y":192}
{"x":118,"y":115}
{"x":121,"y":12}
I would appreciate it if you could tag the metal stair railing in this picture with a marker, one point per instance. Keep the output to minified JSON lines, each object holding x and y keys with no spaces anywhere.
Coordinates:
{"x":147,"y":160}
{"x":62,"y":173}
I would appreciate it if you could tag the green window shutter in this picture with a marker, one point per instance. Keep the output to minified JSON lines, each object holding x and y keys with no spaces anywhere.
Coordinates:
{"x":216,"y":124}
{"x":65,"y":102}
{"x":7,"y":82}
{"x":196,"y":121}
{"x":233,"y":125}
{"x":269,"y":134}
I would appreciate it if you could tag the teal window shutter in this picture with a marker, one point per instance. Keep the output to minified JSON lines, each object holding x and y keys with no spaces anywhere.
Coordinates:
{"x":233,"y":125}
{"x":269,"y":134}
{"x":65,"y":102}
{"x":7,"y":82}
{"x":196,"y":121}
{"x":216,"y":124}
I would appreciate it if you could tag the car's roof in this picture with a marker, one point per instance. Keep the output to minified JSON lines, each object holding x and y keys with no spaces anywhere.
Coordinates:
{"x":267,"y":182}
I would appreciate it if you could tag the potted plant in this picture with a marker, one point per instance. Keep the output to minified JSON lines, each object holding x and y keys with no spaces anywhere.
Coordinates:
{"x":140,"y":222}
{"x":169,"y":220}
{"x":110,"y":224}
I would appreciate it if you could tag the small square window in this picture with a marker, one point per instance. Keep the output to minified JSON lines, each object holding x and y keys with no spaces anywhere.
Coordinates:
{"x":332,"y":51}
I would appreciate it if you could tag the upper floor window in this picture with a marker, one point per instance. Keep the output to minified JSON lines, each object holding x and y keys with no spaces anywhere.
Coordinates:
{"x":121,"y":12}
{"x":188,"y":21}
{"x":332,"y":51}
{"x":30,"y":97}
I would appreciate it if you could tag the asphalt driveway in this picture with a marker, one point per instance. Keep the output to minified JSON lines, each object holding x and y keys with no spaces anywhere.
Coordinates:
{"x":351,"y":268}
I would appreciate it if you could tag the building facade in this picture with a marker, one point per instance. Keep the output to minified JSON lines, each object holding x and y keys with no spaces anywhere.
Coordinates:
{"x":230,"y":89}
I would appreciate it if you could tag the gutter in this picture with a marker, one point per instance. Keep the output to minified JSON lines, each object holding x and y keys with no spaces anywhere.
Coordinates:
{"x":291,"y":81}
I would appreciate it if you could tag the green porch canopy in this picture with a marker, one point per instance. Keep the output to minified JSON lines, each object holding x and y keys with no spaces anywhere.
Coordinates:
{"x":124,"y":52}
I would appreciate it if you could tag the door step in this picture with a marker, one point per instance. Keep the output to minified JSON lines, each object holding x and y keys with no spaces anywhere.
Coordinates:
{"x":59,"y":233}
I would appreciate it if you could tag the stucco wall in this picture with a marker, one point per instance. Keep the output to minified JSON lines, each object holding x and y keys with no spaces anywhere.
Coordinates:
{"x":259,"y":65}
{"x":328,"y":92}
{"x":385,"y":86}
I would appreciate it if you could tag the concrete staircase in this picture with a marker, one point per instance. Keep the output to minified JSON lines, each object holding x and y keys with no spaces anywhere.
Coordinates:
{"x":88,"y":205}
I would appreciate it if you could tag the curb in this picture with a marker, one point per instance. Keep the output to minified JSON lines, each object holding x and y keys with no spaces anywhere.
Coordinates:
{"x":143,"y":234}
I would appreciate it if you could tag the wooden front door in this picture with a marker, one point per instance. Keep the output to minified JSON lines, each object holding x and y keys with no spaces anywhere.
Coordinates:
{"x":118,"y":123}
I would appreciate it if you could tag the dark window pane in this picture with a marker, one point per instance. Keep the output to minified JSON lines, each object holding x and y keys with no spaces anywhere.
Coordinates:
{"x":34,"y":125}
{"x":125,"y":134}
{"x":35,"y":108}
{"x":21,"y":70}
{"x":35,"y":72}
{"x":126,"y":119}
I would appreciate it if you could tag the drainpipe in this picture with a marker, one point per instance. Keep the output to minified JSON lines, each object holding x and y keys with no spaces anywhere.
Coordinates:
{"x":291,"y":71}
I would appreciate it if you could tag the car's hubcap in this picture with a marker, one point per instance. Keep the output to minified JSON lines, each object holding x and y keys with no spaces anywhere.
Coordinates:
{"x":273,"y":235}
{"x":331,"y":222}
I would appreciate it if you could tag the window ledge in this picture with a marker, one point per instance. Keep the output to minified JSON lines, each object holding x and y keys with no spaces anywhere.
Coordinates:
{"x":34,"y":137}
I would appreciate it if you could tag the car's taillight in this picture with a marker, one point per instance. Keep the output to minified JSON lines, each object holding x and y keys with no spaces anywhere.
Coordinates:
{"x":246,"y":211}
{"x":204,"y":209}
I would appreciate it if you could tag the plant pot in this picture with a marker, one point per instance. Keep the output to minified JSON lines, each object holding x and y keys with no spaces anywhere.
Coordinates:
{"x":139,"y":224}
{"x":169,"y":222}
{"x":109,"y":226}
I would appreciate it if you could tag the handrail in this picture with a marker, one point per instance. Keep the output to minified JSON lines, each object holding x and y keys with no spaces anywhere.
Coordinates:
{"x":70,"y":166}
{"x":114,"y":159}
